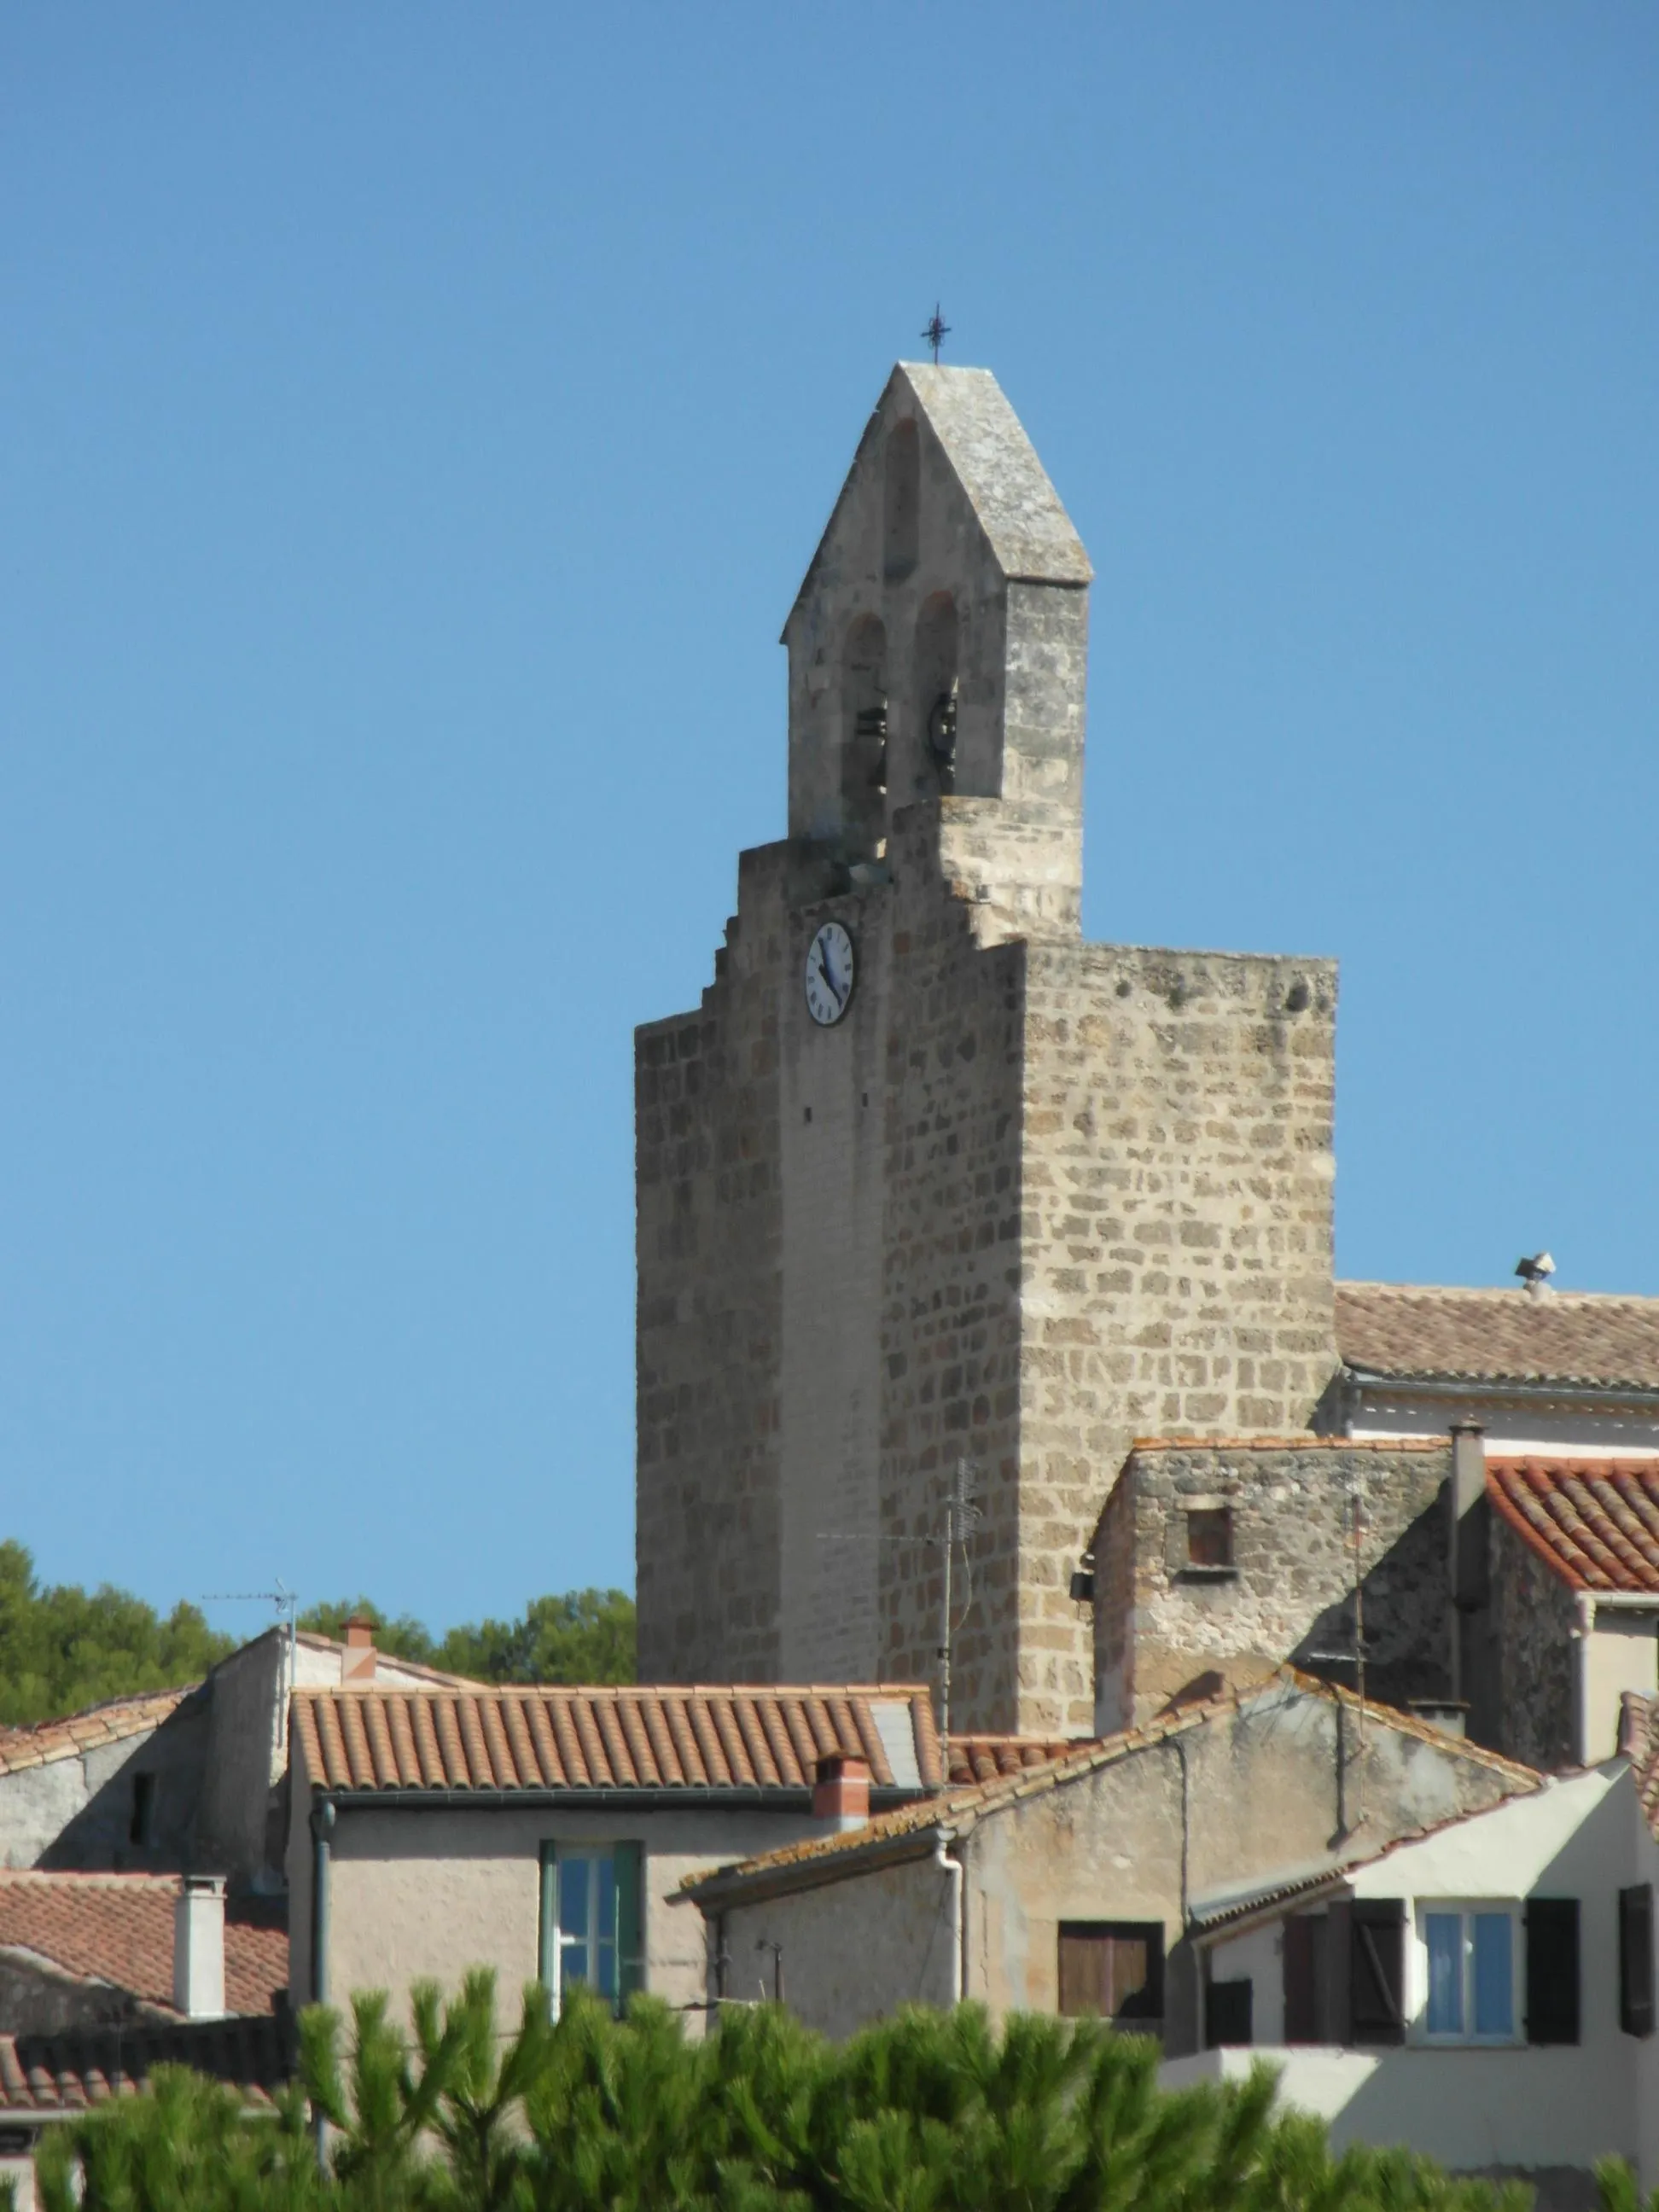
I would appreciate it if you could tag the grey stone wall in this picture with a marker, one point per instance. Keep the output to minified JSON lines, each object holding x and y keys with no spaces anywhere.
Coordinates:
{"x":709,"y":1316}
{"x":1164,"y":1631}
{"x":1028,"y":1199}
{"x":1533,"y":1625}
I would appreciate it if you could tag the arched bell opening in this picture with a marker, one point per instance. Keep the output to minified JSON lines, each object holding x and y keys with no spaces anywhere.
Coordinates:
{"x":901,"y":502}
{"x":936,"y":680}
{"x":864,"y":737}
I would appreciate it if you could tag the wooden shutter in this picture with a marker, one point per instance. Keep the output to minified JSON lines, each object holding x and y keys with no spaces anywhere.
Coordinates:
{"x":1113,"y":1970}
{"x":1552,"y":1970}
{"x":1304,"y":1977}
{"x":1636,"y":1959}
{"x":1229,"y":2010}
{"x":1376,"y":1970}
{"x":629,"y":1859}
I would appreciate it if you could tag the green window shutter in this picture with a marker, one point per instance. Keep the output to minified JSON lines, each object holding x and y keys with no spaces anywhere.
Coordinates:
{"x":629,"y":1861}
{"x":1552,"y":1970}
{"x":1636,"y":1959}
{"x":547,"y":1933}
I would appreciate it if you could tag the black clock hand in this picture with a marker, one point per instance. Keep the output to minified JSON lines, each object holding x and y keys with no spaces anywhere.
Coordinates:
{"x":827,"y":972}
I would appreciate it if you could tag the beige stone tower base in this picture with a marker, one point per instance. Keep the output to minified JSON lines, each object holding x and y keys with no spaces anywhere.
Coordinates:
{"x":1027,"y":1198}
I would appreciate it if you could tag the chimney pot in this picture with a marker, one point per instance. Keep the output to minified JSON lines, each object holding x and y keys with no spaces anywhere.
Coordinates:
{"x":198,"y":1947}
{"x":357,"y":1660}
{"x":841,"y":1793}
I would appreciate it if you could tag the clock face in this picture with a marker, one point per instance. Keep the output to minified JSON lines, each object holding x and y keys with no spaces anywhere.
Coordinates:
{"x":829,"y":968}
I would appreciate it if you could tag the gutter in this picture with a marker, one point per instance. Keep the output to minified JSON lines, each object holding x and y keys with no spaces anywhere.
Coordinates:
{"x":956,"y":1907}
{"x":733,"y":1886}
{"x":1496,"y":1386}
{"x":702,"y":1798}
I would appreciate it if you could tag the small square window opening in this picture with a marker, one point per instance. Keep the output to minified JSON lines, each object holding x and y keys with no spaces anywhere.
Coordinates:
{"x":1209,"y":1536}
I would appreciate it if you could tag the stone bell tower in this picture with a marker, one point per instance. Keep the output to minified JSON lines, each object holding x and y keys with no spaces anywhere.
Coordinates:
{"x":946,"y":1183}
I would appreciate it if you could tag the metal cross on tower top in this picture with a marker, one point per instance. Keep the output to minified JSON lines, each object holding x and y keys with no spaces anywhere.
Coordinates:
{"x":936,"y":332}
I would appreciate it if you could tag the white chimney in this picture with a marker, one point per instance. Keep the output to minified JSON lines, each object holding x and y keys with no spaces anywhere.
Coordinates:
{"x":198,"y":1947}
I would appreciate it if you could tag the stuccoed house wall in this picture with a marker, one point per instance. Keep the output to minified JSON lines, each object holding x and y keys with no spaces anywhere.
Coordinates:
{"x":1546,"y":2110}
{"x":114,"y":1788}
{"x":1024,"y":1199}
{"x":423,"y":1884}
{"x":1169,"y":1625}
{"x":1132,"y":1829}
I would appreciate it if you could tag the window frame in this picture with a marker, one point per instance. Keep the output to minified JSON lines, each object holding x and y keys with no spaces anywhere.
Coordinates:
{"x":626,"y":1941}
{"x":1152,"y":1934}
{"x":1467,"y":1911}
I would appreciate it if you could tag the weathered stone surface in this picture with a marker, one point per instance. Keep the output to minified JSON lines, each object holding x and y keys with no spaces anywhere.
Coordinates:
{"x":1167,"y":1630}
{"x":1029,"y":1198}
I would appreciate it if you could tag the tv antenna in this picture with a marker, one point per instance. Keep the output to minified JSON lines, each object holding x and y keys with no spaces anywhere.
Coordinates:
{"x":286,"y":1604}
{"x":1356,"y":1658}
{"x":962,"y":1516}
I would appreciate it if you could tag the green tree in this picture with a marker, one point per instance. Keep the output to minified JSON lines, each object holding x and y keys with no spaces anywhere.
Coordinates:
{"x":586,"y":1636}
{"x":62,"y":1649}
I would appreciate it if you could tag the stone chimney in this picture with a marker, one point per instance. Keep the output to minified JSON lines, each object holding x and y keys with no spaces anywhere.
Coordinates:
{"x":198,"y":1947}
{"x":841,"y":1794}
{"x":357,"y":1660}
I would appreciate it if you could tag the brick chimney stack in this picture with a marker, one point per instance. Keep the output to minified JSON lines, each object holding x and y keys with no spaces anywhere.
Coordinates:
{"x":841,"y":1794}
{"x":357,"y":1660}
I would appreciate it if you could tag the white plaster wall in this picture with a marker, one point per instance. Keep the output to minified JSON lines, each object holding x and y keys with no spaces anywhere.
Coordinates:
{"x":1620,"y":1653}
{"x":1582,"y":1836}
{"x":1465,"y":2109}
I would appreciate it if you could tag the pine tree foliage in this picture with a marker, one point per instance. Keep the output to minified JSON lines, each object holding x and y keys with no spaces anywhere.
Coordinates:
{"x":924,"y":2112}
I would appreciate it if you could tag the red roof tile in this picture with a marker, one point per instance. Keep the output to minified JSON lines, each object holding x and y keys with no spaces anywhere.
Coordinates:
{"x":121,"y":1717}
{"x":71,"y":2069}
{"x":1595,"y":1521}
{"x":730,"y":1736}
{"x":984,"y":1758}
{"x":1569,"y":1336}
{"x":117,"y":1927}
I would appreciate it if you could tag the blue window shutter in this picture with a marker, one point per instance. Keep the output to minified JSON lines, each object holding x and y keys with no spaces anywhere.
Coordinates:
{"x":629,"y":1861}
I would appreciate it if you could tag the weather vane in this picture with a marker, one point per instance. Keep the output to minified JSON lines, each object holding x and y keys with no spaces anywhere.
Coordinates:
{"x":936,"y":332}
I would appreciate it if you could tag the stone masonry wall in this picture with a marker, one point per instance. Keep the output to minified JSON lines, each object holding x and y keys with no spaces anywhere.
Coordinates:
{"x":1177,"y":1252}
{"x":1532,"y":1623}
{"x":1164,"y":1631}
{"x":709,"y":1228}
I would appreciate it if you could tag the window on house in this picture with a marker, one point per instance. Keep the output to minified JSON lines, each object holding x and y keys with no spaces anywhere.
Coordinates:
{"x":140,"y":1827}
{"x":1113,"y":1970}
{"x":1209,"y":1536}
{"x":1469,"y":1955}
{"x":591,"y":1919}
{"x":1376,"y":1967}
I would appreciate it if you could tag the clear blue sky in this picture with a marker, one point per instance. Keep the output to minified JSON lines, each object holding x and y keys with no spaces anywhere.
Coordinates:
{"x":413,"y":422}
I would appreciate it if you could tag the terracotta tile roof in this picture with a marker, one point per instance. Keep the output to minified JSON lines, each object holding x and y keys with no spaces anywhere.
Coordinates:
{"x":734,"y":1736}
{"x":71,"y":2069}
{"x":117,"y":1927}
{"x":1595,"y":1522}
{"x":984,"y":1758}
{"x":1639,"y":1734}
{"x":99,"y":1724}
{"x":1569,"y":1336}
{"x":962,"y":1809}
